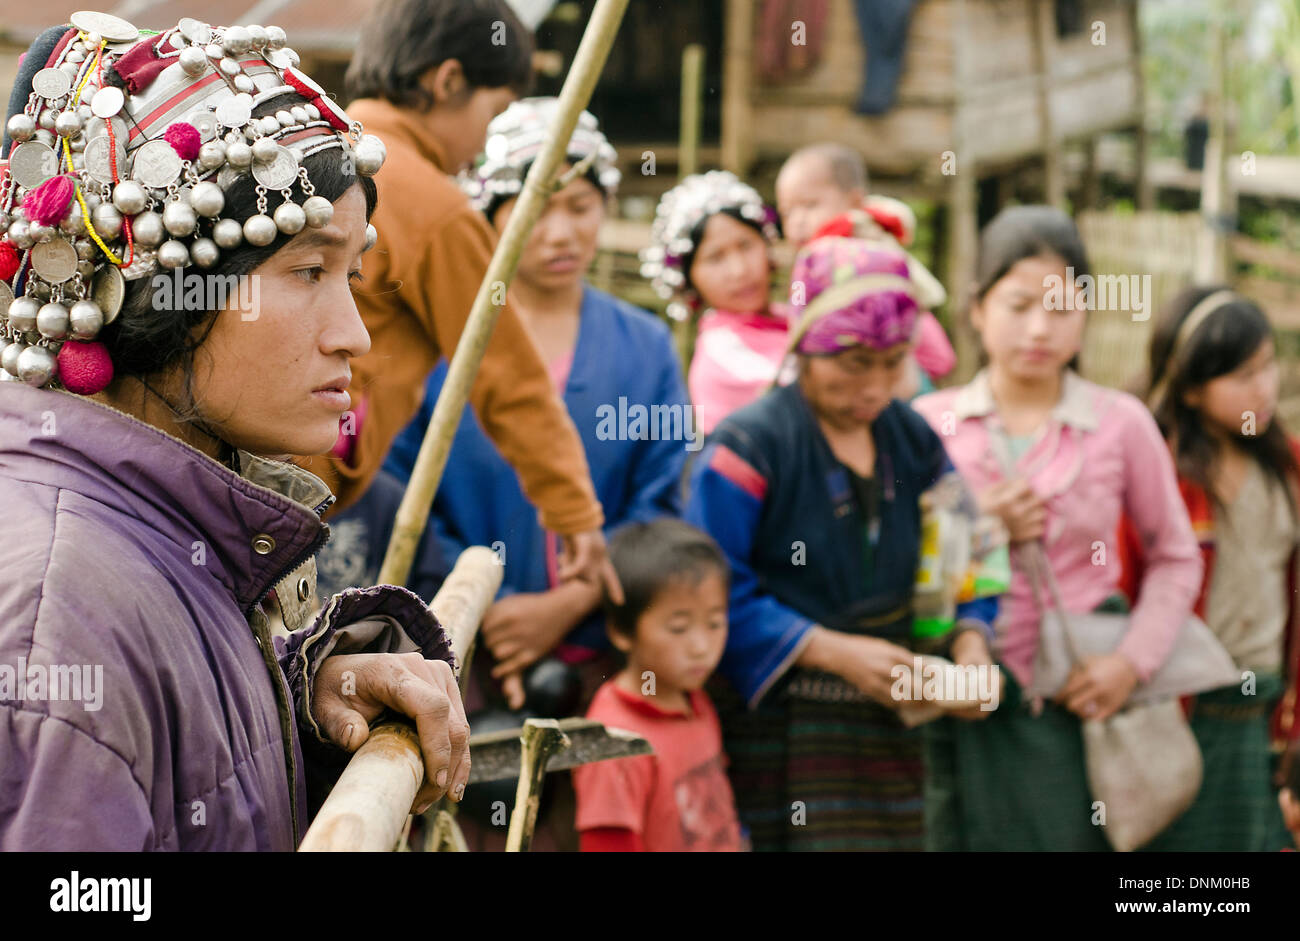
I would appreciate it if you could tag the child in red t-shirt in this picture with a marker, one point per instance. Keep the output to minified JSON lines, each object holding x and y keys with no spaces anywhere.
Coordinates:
{"x":672,"y":627}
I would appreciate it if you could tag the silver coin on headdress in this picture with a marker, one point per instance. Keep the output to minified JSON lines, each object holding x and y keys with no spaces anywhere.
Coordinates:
{"x":55,"y":260}
{"x":6,"y":298}
{"x":108,"y":101}
{"x":32,"y":163}
{"x":235,"y":110}
{"x":96,"y":157}
{"x":280,"y":172}
{"x":51,"y":83}
{"x":156,"y":164}
{"x":113,"y":28}
{"x":108,"y":290}
{"x":206,"y":124}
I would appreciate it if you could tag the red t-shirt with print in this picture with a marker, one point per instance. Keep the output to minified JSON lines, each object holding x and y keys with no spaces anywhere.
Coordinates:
{"x":676,"y":800}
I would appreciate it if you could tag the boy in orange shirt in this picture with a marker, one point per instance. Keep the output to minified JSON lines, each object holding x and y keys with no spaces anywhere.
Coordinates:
{"x":672,"y":628}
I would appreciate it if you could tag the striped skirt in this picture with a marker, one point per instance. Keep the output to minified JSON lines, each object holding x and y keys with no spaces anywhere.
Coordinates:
{"x":813,"y":775}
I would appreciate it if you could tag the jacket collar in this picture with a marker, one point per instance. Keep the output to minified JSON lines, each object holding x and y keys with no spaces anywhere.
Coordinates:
{"x":392,"y":123}
{"x":1075,"y":407}
{"x":247,"y":530}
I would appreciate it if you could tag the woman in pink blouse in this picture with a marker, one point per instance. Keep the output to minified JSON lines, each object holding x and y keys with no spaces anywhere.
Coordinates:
{"x":1082,"y":454}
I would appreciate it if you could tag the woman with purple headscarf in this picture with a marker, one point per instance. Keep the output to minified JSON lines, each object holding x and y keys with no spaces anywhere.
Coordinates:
{"x":813,"y":492}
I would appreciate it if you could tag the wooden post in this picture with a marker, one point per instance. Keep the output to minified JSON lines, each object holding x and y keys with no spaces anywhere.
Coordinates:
{"x":1044,"y":32}
{"x":688,"y":144}
{"x":960,"y":242}
{"x":1218,"y":199}
{"x":737,"y":80}
{"x":413,"y":512}
{"x":540,"y":739}
{"x":368,"y":807}
{"x":1143,"y":190}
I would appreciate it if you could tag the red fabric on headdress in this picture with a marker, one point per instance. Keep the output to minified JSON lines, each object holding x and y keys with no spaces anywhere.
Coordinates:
{"x":140,"y":65}
{"x":326,"y":110}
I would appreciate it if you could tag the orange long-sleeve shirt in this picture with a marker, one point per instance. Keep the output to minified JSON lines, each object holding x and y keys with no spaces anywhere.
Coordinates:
{"x":420,"y":281}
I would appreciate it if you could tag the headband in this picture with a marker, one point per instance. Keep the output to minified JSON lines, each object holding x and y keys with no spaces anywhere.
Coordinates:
{"x":1191,"y":322}
{"x":124,"y":147}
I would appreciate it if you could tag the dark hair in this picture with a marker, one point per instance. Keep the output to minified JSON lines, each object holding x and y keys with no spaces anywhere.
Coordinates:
{"x":500,"y":199}
{"x":697,"y":233}
{"x":403,"y":39}
{"x":647,"y":556}
{"x":1020,"y":232}
{"x":145,"y":341}
{"x":1229,"y":336}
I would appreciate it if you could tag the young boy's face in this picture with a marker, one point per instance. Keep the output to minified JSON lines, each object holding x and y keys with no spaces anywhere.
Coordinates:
{"x":807,"y":197}
{"x":680,"y":637}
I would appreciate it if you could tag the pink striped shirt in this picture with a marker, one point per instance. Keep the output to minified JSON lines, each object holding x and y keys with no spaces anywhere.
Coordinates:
{"x":1098,"y":454}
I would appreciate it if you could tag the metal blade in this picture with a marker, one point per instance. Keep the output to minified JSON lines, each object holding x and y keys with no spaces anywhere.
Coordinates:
{"x":495,"y":755}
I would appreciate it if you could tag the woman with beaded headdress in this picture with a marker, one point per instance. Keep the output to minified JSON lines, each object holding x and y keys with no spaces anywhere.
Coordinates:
{"x":635,"y":423}
{"x":709,"y":252}
{"x":164,"y":680}
{"x":813,"y":492}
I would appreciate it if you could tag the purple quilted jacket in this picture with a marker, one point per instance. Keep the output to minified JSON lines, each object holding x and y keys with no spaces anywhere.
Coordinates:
{"x":144,"y":702}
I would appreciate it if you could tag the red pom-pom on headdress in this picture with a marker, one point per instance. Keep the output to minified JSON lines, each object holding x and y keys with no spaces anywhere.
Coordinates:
{"x":9,"y":261}
{"x":184,"y":138}
{"x":85,"y":368}
{"x":48,"y":203}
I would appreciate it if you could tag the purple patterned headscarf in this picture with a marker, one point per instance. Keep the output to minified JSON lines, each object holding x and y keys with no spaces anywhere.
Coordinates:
{"x":849,"y":292}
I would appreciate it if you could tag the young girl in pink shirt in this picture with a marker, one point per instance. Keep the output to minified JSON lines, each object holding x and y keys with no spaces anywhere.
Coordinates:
{"x":710,"y":249}
{"x":1081,"y":455}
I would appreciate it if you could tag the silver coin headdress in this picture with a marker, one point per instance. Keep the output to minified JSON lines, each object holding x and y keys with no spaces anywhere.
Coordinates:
{"x":119,"y":164}
{"x":680,"y":210}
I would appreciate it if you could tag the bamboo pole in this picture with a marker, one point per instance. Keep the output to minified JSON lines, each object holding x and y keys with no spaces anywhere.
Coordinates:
{"x":688,"y":139}
{"x":413,"y":512}
{"x":368,"y":807}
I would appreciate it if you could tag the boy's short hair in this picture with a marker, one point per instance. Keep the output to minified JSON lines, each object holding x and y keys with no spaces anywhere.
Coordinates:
{"x":402,"y":39}
{"x":647,"y":556}
{"x":848,"y":169}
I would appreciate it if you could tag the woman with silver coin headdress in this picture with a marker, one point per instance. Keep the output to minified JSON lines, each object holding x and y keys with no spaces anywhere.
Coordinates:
{"x":152,"y":528}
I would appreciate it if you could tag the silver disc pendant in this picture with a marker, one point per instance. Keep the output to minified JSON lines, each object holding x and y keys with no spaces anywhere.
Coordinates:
{"x":156,"y":164}
{"x":112,"y":28}
{"x":6,"y":298}
{"x":206,"y":124}
{"x":32,"y":163}
{"x":107,"y":102}
{"x":280,"y":172}
{"x":108,"y":290}
{"x":55,"y":261}
{"x":96,"y":157}
{"x":51,"y":83}
{"x":196,"y":32}
{"x":235,"y":110}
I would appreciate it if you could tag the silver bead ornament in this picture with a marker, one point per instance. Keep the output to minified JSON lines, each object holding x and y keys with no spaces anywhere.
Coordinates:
{"x":21,"y":127}
{"x":173,"y":254}
{"x":207,"y":199}
{"x":74,"y":223}
{"x":312,"y":111}
{"x":9,"y":358}
{"x":20,"y":234}
{"x":244,"y":83}
{"x":41,"y":233}
{"x":276,"y":37}
{"x":289,"y":218}
{"x":370,"y":155}
{"x":299,"y":114}
{"x":227,"y":233}
{"x":130,"y":198}
{"x":237,"y":41}
{"x":67,"y":124}
{"x":239,"y":155}
{"x":212,"y":155}
{"x":36,"y":366}
{"x":86,"y":269}
{"x":284,"y":118}
{"x":85,"y":318}
{"x":86,"y":249}
{"x":257,"y":36}
{"x":268,"y":124}
{"x":229,"y":67}
{"x":319,"y":211}
{"x":372,"y":236}
{"x":204,"y":252}
{"x":52,"y":320}
{"x":193,"y":62}
{"x":265,"y":149}
{"x":107,"y":221}
{"x":22,"y":314}
{"x":147,"y":230}
{"x":179,"y":219}
{"x":46,"y":120}
{"x":39,"y":291}
{"x":260,"y":230}
{"x":44,"y":136}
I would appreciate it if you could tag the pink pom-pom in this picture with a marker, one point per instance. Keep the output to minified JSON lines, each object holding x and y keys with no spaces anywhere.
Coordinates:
{"x":85,"y":368}
{"x":184,"y":138}
{"x":48,"y":203}
{"x":8,"y":261}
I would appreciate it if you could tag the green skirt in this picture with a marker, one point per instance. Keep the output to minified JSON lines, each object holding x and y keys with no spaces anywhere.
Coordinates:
{"x":1236,"y":809}
{"x":1013,"y":781}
